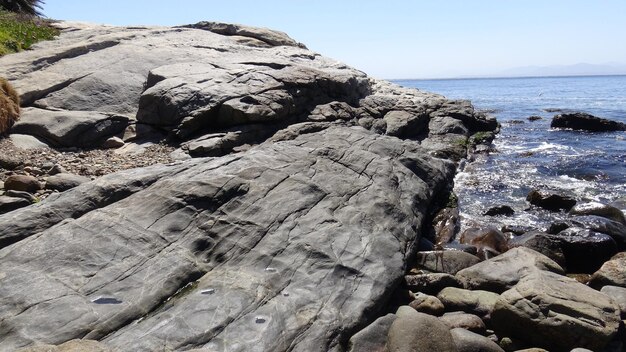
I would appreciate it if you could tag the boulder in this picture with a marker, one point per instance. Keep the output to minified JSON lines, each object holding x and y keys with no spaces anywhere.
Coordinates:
{"x":448,"y":262}
{"x":504,"y":210}
{"x":476,"y":302}
{"x":464,"y":320}
{"x":374,"y":337}
{"x":542,"y":242}
{"x":445,"y":225}
{"x":64,"y":181}
{"x":8,"y":204}
{"x":113,"y":143}
{"x":557,"y":313}
{"x":613,"y":272}
{"x":504,"y":271}
{"x":596,"y":223}
{"x":585,"y":250}
{"x":424,"y":303}
{"x":467,"y":341}
{"x":418,"y":332}
{"x":430,"y":283}
{"x":618,"y":295}
{"x":23,"y":183}
{"x":404,"y":124}
{"x":489,"y":240}
{"x":599,"y":209}
{"x":586,"y":122}
{"x":551,"y":202}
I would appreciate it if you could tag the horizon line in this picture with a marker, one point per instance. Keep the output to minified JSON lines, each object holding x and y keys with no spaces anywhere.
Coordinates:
{"x":504,"y":77}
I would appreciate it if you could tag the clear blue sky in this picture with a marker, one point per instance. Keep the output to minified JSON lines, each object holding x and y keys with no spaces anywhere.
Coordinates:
{"x":402,"y":39}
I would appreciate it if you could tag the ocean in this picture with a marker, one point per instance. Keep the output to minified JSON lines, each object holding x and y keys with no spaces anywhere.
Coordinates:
{"x":528,"y":154}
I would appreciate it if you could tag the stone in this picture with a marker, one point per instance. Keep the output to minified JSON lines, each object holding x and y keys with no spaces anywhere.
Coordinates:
{"x":586,"y":122}
{"x":424,"y":303}
{"x":64,"y":181}
{"x":418,"y":332}
{"x":374,"y":337}
{"x":504,"y":271}
{"x":476,"y":302}
{"x":551,"y":202}
{"x":404,"y":124}
{"x":464,"y":320}
{"x":618,"y":295}
{"x":585,"y":250}
{"x":596,"y":223}
{"x":467,"y":341}
{"x":70,"y":346}
{"x":430,"y":283}
{"x":489,"y":240}
{"x":113,"y":143}
{"x":613,"y":272}
{"x":599,"y":209}
{"x":21,"y":194}
{"x":504,"y":210}
{"x":535,"y":118}
{"x":25,"y":141}
{"x":8,"y":204}
{"x":557,"y":313}
{"x":542,"y":242}
{"x":22,"y":183}
{"x":448,"y":262}
{"x":445,"y":225}
{"x":9,"y":162}
{"x":445,"y":124}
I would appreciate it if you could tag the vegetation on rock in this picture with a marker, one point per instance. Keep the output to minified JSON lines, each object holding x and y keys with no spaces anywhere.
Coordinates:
{"x":19,"y":31}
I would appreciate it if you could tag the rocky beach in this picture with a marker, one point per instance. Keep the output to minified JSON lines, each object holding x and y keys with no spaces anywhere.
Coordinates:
{"x":220,"y":187}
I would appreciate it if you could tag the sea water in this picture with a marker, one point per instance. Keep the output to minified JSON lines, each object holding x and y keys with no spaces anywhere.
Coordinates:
{"x":529,"y":154}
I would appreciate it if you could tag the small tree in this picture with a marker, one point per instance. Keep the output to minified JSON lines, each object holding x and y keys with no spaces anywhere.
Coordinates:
{"x":28,"y":7}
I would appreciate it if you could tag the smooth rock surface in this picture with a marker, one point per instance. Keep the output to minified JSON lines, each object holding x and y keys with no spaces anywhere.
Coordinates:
{"x":424,"y":303}
{"x":489,"y":240}
{"x":467,"y":341}
{"x":374,"y":337}
{"x":476,"y":302}
{"x":8,"y":204}
{"x":431,"y":283}
{"x":557,"y":313}
{"x":618,"y":295}
{"x":448,"y":262}
{"x":613,"y":272}
{"x":599,"y":209}
{"x":464,"y":320}
{"x":65,"y":181}
{"x":418,"y":332}
{"x":23,"y":183}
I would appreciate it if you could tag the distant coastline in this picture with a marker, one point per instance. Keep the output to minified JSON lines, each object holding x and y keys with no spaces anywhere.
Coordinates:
{"x":503,"y":77}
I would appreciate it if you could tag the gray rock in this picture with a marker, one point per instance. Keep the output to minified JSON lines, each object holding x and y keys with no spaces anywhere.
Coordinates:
{"x":541,"y":242}
{"x":424,"y":303}
{"x":464,"y":320}
{"x":268,"y":36}
{"x":70,"y":346}
{"x":467,"y":341}
{"x":248,"y":235}
{"x":404,"y":123}
{"x":9,"y":162}
{"x":63,"y":182}
{"x":22,"y":183}
{"x":448,"y":262}
{"x":599,"y":209}
{"x":430,"y":283}
{"x":557,"y":313}
{"x":504,"y":271}
{"x":21,"y":194}
{"x":418,"y":332}
{"x":113,"y":143}
{"x":25,"y":141}
{"x":585,"y":250}
{"x":8,"y":204}
{"x":374,"y":337}
{"x":613,"y":272}
{"x":476,"y":302}
{"x":618,"y":295}
{"x":489,"y":240}
{"x":613,"y":228}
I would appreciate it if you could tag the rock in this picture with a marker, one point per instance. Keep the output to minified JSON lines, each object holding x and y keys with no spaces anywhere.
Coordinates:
{"x":25,"y":141}
{"x":70,"y":346}
{"x":430,"y":283}
{"x":404,"y":124}
{"x":474,"y":302}
{"x":613,"y":272}
{"x":551,"y":202}
{"x":63,"y":182}
{"x":467,"y":248}
{"x":517,"y":230}
{"x":464,"y":320}
{"x":467,"y":341}
{"x":21,"y":194}
{"x":8,"y":204}
{"x":557,"y":313}
{"x":268,"y":36}
{"x":113,"y":143}
{"x":424,"y":303}
{"x":252,"y":231}
{"x":618,"y":295}
{"x":578,"y":349}
{"x":449,"y":262}
{"x":585,"y":250}
{"x":418,"y":332}
{"x":599,"y":209}
{"x":586,"y":122}
{"x":504,"y":271}
{"x":446,"y":224}
{"x":444,"y":125}
{"x":535,"y":118}
{"x":9,"y":162}
{"x":70,"y":128}
{"x":500,"y":210}
{"x":22,"y":183}
{"x":373,"y":337}
{"x":599,"y":224}
{"x":489,"y":240}
{"x":542,"y":242}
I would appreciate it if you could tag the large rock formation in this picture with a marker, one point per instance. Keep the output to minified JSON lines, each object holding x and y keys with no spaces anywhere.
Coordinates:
{"x":292,"y":239}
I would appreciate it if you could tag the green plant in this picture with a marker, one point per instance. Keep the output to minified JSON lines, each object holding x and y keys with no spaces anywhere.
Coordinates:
{"x":18,"y":32}
{"x":27,"y":7}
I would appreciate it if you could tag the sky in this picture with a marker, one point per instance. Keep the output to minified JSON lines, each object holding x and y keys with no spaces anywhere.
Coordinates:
{"x":395,"y":39}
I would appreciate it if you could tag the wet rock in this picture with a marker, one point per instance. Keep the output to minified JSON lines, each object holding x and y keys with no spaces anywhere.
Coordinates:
{"x":542,"y":242}
{"x":431,"y":283}
{"x":374,"y":337}
{"x":449,"y":262}
{"x":467,"y":341}
{"x":551,"y":202}
{"x":467,"y":248}
{"x":599,"y":209}
{"x":477,"y":302}
{"x":22,"y":183}
{"x":8,"y":204}
{"x":618,"y":295}
{"x":557,"y":313}
{"x":488,"y":240}
{"x":464,"y":320}
{"x":535,"y":118}
{"x":418,"y":332}
{"x":63,"y":182}
{"x":586,"y":122}
{"x":594,"y":223}
{"x":424,"y":303}
{"x":504,"y":210}
{"x":613,"y":272}
{"x":585,"y":250}
{"x":504,"y":271}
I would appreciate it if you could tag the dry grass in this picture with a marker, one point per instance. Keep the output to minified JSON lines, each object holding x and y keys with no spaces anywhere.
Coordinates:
{"x":9,"y":106}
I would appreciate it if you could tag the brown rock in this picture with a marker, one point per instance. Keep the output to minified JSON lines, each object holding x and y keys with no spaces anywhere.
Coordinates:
{"x":22,"y":183}
{"x":613,"y":272}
